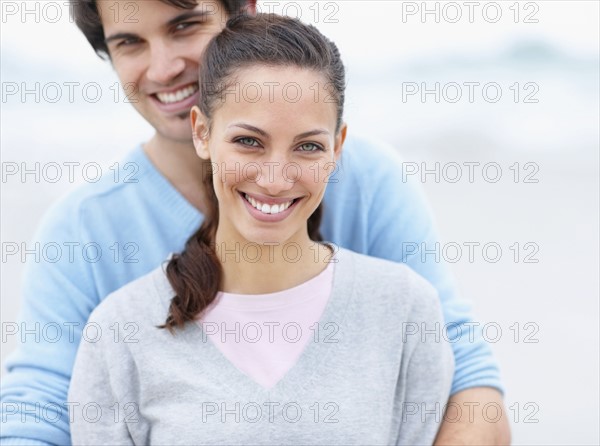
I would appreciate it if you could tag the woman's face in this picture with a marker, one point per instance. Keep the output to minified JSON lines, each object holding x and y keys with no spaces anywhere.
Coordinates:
{"x":272,"y":144}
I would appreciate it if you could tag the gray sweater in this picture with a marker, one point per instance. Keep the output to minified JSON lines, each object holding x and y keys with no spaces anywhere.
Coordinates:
{"x":377,"y":370}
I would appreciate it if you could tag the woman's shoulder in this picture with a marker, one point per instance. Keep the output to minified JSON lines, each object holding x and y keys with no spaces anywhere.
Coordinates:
{"x":394,"y":282}
{"x":376,"y":268}
{"x":145,"y":298}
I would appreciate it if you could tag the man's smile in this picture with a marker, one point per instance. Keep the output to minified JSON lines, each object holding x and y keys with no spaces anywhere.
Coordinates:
{"x":177,"y":95}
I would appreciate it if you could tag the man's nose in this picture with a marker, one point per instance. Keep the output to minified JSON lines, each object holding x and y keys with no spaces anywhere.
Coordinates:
{"x":165,"y":64}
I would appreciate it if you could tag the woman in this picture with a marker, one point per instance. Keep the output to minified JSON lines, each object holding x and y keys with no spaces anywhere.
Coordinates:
{"x":258,"y":332}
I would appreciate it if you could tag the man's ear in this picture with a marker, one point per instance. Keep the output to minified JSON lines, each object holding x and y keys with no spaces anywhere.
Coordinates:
{"x":250,"y":7}
{"x":199,"y":132}
{"x":339,"y":141}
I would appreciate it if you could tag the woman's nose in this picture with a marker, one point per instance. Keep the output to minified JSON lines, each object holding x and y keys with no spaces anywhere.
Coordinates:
{"x":277,"y":176}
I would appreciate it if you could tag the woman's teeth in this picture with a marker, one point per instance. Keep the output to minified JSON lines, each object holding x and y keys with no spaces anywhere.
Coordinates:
{"x":176,"y":96}
{"x":265,"y":208}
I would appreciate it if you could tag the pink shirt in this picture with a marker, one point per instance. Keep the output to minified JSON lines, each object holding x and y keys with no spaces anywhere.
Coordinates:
{"x":263,"y":335}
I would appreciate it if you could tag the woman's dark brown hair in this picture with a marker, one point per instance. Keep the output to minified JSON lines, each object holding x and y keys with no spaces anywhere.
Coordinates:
{"x":87,"y":18}
{"x":265,"y":39}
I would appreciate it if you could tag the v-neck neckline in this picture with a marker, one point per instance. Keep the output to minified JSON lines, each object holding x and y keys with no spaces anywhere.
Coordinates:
{"x":312,"y":362}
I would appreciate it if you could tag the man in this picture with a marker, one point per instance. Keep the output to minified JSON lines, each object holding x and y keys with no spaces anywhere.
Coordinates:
{"x":155,"y":47}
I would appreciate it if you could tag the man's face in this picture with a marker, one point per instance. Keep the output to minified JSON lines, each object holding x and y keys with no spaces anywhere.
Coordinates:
{"x":155,"y":49}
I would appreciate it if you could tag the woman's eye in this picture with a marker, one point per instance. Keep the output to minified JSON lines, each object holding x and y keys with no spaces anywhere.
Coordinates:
{"x":248,"y":142}
{"x":309,"y":147}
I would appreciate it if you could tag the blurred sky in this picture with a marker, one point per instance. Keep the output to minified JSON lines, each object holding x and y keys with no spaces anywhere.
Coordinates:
{"x":370,"y":32}
{"x":383,"y":43}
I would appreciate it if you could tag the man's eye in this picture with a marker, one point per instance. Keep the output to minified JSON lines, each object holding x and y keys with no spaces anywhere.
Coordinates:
{"x":128,"y":42}
{"x":185,"y":25}
{"x":246,"y":141}
{"x":309,"y":147}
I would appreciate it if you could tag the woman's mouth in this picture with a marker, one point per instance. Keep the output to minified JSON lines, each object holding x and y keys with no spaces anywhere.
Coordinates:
{"x":266,"y":208}
{"x":273,"y":212}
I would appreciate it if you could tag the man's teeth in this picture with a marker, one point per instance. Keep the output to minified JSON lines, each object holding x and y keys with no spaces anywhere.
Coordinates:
{"x":176,"y":96}
{"x":265,"y":208}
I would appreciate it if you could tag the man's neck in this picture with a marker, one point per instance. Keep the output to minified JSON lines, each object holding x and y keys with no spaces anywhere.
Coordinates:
{"x":178,"y":163}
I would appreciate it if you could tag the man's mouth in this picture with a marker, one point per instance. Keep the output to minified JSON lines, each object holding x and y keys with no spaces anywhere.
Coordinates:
{"x":178,"y":95}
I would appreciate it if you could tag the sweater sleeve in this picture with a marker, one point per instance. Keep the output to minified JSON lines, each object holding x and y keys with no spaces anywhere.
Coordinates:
{"x":401,"y":228}
{"x":430,"y":368}
{"x":98,"y":415}
{"x":58,"y":296}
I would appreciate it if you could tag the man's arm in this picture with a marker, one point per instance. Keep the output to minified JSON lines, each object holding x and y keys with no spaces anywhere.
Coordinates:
{"x":376,"y":209}
{"x":57,"y":300}
{"x":475,"y":416}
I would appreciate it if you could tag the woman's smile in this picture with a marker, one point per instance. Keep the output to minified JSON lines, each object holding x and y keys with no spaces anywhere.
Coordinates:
{"x":277,"y":209}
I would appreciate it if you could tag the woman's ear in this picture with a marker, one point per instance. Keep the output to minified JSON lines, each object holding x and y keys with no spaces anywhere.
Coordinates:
{"x":339,"y":141}
{"x":199,"y":132}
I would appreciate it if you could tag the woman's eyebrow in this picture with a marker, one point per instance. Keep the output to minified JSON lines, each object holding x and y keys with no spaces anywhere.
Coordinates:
{"x":311,"y":133}
{"x":251,"y":128}
{"x":266,"y":135}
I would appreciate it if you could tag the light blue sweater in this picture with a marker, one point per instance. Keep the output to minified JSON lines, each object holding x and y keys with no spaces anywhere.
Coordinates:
{"x":366,"y":378}
{"x":114,"y":232}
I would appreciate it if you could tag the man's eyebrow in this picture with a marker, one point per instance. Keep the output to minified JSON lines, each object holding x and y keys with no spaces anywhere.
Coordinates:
{"x":199,"y":13}
{"x":311,"y":133}
{"x":175,"y":20}
{"x":251,"y":128}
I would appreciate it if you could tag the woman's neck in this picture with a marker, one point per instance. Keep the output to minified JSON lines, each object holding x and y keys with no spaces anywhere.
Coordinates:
{"x":252,"y":268}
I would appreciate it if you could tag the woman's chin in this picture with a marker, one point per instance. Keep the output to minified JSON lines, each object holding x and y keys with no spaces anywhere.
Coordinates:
{"x":265,"y":240}
{"x":268,"y":238}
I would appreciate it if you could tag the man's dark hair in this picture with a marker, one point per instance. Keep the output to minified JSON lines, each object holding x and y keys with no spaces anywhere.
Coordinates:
{"x":87,"y":18}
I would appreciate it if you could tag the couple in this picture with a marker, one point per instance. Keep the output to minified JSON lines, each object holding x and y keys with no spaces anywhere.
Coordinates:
{"x":180,"y":389}
{"x":173,"y":384}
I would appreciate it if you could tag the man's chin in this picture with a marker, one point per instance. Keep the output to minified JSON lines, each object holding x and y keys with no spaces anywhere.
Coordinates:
{"x":175,"y":128}
{"x":175,"y":137}
{"x":178,"y":130}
